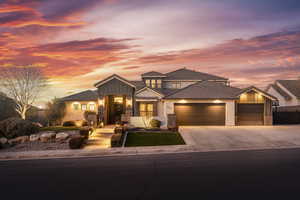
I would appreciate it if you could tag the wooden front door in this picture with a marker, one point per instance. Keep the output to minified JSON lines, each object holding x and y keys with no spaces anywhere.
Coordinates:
{"x":115,"y":109}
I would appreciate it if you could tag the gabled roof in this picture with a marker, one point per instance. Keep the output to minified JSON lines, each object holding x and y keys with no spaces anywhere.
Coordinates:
{"x":153,"y":74}
{"x":87,"y":95}
{"x":152,"y":90}
{"x":285,"y":95}
{"x":206,"y":90}
{"x":293,"y":86}
{"x":138,"y":84}
{"x":187,"y":74}
{"x":114,"y":76}
{"x":256,"y":90}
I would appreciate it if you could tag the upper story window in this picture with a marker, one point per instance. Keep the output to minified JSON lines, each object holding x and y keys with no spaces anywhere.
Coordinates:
{"x":148,"y":84}
{"x":153,"y":83}
{"x":158,"y":83}
{"x":176,"y":85}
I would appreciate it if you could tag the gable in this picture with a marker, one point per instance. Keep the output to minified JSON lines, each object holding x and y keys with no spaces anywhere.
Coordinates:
{"x":115,"y":86}
{"x":147,"y":92}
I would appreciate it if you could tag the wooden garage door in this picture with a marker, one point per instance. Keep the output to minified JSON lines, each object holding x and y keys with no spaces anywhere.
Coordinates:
{"x":250,"y":114}
{"x":194,"y":114}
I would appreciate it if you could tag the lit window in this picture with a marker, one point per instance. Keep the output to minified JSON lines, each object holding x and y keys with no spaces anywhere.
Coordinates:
{"x":146,"y":109}
{"x":91,"y":106}
{"x":158,"y":82}
{"x":76,"y":106}
{"x":148,"y":82}
{"x":153,"y":83}
{"x":118,"y":100}
{"x":83,"y":107}
{"x":176,"y":85}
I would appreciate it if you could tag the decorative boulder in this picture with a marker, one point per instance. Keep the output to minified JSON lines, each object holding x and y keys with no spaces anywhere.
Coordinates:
{"x":47,"y":136}
{"x":19,"y":140}
{"x":3,"y":140}
{"x":34,"y":137}
{"x":61,"y":136}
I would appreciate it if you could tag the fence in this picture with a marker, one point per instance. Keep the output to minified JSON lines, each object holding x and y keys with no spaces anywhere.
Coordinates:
{"x":286,"y":117}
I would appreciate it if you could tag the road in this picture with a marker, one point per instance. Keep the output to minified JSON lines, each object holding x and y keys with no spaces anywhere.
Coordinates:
{"x":267,"y":174}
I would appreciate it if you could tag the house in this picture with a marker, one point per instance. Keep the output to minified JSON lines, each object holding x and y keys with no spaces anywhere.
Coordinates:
{"x":286,"y":91}
{"x":195,"y":98}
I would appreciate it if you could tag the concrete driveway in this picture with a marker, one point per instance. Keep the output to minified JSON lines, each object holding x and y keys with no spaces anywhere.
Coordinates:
{"x":240,"y":137}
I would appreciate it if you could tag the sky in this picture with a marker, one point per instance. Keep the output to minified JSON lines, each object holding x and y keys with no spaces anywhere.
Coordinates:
{"x":79,"y":42}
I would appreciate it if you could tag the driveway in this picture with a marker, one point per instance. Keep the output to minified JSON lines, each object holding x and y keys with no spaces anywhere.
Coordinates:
{"x":241,"y":137}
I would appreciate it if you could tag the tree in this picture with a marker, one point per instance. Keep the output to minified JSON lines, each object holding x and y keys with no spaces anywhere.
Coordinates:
{"x":55,"y":111}
{"x":24,"y":85}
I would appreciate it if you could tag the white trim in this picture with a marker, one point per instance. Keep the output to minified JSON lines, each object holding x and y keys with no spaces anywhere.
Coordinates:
{"x":286,"y":90}
{"x":145,"y":88}
{"x":260,"y":92}
{"x":115,"y":77}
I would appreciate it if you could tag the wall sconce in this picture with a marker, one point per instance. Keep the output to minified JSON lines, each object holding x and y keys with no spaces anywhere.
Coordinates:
{"x":101,"y":102}
{"x":128,"y":102}
{"x":217,"y":101}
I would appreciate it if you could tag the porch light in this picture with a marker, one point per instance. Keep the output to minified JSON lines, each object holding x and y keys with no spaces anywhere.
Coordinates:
{"x":128,"y":102}
{"x":217,"y":101}
{"x":101,"y":102}
{"x":182,"y":101}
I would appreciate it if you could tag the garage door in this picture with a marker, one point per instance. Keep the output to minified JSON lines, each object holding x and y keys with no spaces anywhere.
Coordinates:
{"x":194,"y":114}
{"x":250,"y":114}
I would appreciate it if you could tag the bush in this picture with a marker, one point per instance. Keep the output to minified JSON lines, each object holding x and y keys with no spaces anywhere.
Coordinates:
{"x":116,"y":140}
{"x":76,"y":142}
{"x":14,"y":127}
{"x":69,"y":123}
{"x":154,"y":123}
{"x":85,"y":133}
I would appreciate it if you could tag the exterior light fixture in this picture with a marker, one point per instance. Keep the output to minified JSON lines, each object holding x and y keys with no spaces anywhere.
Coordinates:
{"x":182,"y":101}
{"x":217,"y":101}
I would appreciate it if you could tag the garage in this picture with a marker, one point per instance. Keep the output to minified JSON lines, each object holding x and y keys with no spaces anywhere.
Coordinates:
{"x":250,"y":114}
{"x":194,"y":114}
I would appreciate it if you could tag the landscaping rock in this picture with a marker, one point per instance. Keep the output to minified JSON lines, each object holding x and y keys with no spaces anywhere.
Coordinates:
{"x":3,"y":140}
{"x":61,"y":136}
{"x":34,"y":137}
{"x":18,"y":140}
{"x":47,"y":136}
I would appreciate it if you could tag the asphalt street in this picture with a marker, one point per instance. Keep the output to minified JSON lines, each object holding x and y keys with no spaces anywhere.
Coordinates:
{"x":265,"y":174}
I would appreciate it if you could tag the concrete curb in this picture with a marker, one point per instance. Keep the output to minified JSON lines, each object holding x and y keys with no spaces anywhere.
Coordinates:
{"x":128,"y":151}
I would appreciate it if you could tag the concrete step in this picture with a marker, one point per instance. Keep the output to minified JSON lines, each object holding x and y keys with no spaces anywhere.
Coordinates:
{"x":105,"y":130}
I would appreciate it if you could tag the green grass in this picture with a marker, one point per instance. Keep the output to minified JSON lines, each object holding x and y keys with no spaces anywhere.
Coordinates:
{"x":59,"y":128}
{"x":135,"y":139}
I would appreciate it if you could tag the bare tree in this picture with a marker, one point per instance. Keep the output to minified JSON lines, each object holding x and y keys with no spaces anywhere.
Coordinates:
{"x":23,"y":84}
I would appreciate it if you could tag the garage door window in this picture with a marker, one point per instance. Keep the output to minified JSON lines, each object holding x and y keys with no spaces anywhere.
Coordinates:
{"x":146,"y":109}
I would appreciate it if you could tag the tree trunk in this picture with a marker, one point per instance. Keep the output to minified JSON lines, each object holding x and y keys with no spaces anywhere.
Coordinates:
{"x":23,"y":114}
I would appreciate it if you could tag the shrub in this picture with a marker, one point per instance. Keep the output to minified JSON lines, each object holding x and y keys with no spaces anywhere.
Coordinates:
{"x":85,"y":133}
{"x":116,"y":140}
{"x":14,"y":127}
{"x":154,"y":123}
{"x":69,"y":123}
{"x":76,"y":142}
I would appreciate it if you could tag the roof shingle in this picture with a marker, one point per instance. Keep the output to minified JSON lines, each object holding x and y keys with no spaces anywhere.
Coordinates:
{"x":293,"y":86}
{"x":87,"y":95}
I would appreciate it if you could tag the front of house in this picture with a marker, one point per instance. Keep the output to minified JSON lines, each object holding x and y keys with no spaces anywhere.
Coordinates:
{"x":195,"y":98}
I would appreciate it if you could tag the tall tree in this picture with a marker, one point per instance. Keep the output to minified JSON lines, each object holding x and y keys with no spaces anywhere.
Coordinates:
{"x":55,"y":111}
{"x":23,"y":84}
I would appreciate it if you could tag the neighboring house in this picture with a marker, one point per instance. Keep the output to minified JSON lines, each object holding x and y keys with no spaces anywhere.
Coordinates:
{"x":195,"y":98}
{"x":286,"y":91}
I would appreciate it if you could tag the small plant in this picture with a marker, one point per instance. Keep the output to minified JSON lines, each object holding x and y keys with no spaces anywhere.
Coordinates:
{"x":69,"y":123}
{"x":76,"y":142}
{"x":154,"y":123}
{"x":85,"y":133}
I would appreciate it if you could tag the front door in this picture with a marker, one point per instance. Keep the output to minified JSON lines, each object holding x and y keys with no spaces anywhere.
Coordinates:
{"x":116,"y":109}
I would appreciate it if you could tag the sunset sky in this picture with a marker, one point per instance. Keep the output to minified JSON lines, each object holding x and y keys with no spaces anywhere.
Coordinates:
{"x":79,"y":42}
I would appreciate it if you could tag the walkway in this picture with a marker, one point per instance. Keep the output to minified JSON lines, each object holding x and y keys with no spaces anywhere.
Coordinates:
{"x":100,"y":138}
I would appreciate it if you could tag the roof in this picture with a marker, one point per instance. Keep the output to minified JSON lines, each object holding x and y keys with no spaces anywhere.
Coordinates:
{"x":293,"y":86}
{"x":285,"y":95}
{"x":153,"y":74}
{"x":87,"y":95}
{"x":257,"y":90}
{"x":138,"y":84}
{"x":206,"y":90}
{"x":114,"y":76}
{"x":187,"y":74}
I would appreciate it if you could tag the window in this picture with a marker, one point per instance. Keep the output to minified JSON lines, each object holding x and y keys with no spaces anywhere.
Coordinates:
{"x":153,"y":83}
{"x":83,"y":107}
{"x":91,"y":106}
{"x":158,"y":82}
{"x":176,"y":85}
{"x":76,"y":106}
{"x":148,"y":82}
{"x":146,"y":109}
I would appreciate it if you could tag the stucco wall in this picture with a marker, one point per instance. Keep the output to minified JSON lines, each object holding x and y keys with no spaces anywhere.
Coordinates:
{"x":76,"y":115}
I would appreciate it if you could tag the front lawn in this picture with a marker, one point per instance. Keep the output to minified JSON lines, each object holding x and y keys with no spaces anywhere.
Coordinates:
{"x":135,"y":139}
{"x":59,"y":128}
